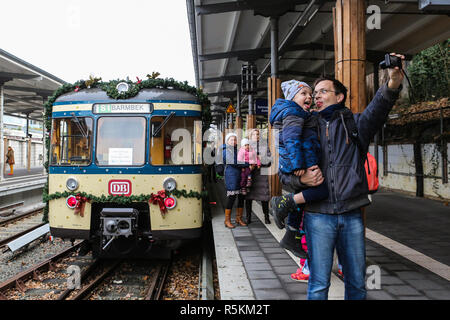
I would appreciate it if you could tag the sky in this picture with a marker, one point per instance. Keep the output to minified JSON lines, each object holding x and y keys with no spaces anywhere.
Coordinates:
{"x":109,"y":39}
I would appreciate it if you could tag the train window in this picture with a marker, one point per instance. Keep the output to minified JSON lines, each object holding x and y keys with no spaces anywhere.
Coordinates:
{"x":179,"y":141}
{"x":71,"y":141}
{"x":121,"y":141}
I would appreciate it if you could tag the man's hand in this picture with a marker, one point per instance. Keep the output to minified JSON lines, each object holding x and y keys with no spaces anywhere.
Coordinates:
{"x":396,"y":75}
{"x":312,"y":177}
{"x":299,"y":172}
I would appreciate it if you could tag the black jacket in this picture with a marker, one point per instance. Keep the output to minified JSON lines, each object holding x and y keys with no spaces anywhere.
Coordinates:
{"x":341,"y":159}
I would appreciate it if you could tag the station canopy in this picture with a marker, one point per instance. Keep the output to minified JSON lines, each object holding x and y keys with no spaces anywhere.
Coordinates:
{"x":26,"y":87}
{"x":227,"y":34}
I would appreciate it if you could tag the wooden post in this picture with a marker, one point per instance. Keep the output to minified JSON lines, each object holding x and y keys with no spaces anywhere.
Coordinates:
{"x":350,"y":54}
{"x":350,"y":50}
{"x":251,"y":121}
{"x":274,"y":92}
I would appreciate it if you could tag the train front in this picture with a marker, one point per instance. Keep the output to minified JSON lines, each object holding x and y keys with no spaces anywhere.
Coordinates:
{"x":126,"y":175}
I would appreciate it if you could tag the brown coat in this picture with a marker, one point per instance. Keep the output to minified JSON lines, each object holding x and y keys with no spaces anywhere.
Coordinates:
{"x":10,"y":157}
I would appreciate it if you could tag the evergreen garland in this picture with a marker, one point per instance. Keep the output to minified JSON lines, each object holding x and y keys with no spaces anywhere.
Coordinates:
{"x":152,"y":81}
{"x":120,"y":199}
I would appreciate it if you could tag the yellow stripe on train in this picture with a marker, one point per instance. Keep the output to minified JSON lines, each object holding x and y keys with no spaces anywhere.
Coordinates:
{"x":156,"y":106}
{"x":187,"y":213}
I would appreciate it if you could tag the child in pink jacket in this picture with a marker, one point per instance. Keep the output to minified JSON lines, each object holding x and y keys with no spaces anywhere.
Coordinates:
{"x":248,"y":155}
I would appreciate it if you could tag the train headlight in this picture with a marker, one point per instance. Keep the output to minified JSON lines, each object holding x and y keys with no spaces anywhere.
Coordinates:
{"x":169,"y":184}
{"x":122,"y":87}
{"x":170,"y":202}
{"x":72,"y":184}
{"x":71,"y":202}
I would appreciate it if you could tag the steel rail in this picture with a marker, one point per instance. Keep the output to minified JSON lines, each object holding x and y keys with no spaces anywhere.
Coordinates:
{"x":87,"y":290}
{"x":17,"y":280}
{"x":84,"y":275}
{"x":18,"y":217}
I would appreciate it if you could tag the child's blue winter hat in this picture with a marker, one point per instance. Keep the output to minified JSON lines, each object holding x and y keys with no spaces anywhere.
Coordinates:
{"x":291,"y":87}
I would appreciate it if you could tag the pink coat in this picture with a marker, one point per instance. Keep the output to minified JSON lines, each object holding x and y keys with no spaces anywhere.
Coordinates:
{"x":248,"y":156}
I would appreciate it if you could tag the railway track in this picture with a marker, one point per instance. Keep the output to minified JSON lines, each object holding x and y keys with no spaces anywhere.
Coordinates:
{"x":32,"y":283}
{"x":125,"y":280}
{"x":15,"y":227}
{"x":101,"y":279}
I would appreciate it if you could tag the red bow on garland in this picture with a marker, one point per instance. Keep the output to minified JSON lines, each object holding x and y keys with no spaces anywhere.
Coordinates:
{"x":81,"y":202}
{"x":159,"y":200}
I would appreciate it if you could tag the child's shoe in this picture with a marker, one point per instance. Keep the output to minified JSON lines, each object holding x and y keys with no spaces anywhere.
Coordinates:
{"x":249,"y":182}
{"x":280,"y":208}
{"x":244,"y":191}
{"x":292,"y":241}
{"x":300,"y":276}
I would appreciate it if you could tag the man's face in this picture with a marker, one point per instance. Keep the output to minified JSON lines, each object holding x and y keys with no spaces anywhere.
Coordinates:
{"x":325,"y":96}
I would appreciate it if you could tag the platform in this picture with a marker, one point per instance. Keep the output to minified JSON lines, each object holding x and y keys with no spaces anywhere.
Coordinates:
{"x":23,"y":180}
{"x":413,"y":261}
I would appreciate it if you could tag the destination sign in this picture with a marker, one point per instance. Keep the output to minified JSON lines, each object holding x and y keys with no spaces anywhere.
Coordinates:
{"x":122,"y":108}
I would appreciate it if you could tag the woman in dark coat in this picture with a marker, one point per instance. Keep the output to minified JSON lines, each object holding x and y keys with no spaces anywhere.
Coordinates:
{"x":232,"y":180}
{"x":260,"y":182}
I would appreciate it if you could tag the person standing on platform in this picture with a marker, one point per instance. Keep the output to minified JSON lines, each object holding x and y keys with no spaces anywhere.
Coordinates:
{"x":247,"y":155}
{"x":337,"y":221}
{"x":10,"y":160}
{"x":260,"y":184}
{"x":232,"y":180}
{"x":299,"y":149}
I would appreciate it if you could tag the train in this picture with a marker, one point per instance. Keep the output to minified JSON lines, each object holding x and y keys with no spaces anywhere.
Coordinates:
{"x":125,"y":166}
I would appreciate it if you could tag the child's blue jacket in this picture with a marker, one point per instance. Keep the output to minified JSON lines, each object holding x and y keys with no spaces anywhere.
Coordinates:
{"x":298,"y":145}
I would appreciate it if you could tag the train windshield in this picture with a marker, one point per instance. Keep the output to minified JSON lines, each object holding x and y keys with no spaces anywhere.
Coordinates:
{"x":121,"y":141}
{"x":176,"y":141}
{"x":71,"y":141}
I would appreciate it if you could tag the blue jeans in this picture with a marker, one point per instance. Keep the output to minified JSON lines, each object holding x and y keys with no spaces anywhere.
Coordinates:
{"x":345,"y":232}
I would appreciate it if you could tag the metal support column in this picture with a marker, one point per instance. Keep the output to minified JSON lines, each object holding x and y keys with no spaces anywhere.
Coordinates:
{"x":376,"y":85}
{"x":28,"y":139}
{"x":2,"y":144}
{"x":274,"y":47}
{"x":274,"y":92}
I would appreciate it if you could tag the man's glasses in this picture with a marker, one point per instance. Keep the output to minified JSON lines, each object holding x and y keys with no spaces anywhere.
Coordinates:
{"x":321,"y":91}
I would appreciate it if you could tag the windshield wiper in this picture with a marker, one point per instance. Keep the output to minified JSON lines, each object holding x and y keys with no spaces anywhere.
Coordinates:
{"x":80,"y":127}
{"x":155,"y":133}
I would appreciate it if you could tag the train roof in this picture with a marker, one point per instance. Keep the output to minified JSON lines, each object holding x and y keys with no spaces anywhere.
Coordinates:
{"x":143,"y":95}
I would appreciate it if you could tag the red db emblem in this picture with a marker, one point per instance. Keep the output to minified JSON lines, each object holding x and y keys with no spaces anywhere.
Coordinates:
{"x":119,"y":187}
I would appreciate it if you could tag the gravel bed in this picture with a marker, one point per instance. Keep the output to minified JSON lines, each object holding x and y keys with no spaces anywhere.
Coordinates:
{"x":37,"y":251}
{"x":182,"y":279}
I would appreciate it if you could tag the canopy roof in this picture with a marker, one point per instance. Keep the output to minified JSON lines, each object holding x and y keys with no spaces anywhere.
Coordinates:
{"x":227,"y":33}
{"x":26,"y":87}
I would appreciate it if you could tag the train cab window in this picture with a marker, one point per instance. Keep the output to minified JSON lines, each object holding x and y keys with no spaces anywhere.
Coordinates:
{"x":121,"y":141}
{"x":71,"y":141}
{"x":177,"y":141}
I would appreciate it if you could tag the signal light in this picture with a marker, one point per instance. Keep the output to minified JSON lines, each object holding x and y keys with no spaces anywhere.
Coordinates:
{"x":71,"y":202}
{"x":170,"y":202}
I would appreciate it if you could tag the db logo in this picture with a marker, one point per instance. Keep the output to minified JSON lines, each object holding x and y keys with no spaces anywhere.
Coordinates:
{"x":119,"y":187}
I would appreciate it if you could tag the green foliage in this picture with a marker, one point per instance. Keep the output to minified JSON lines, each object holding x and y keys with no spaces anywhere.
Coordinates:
{"x":429,"y":72}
